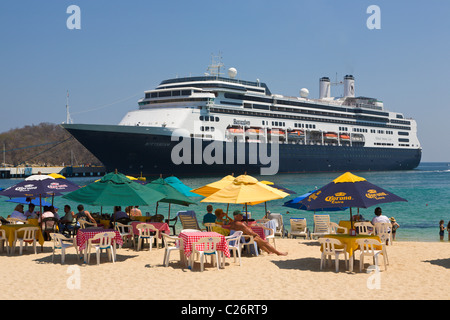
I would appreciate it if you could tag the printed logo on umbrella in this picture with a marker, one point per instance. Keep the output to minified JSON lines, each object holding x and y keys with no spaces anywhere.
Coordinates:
{"x":373,"y":194}
{"x":339,"y":197}
{"x":26,"y":187}
{"x":57,"y":186}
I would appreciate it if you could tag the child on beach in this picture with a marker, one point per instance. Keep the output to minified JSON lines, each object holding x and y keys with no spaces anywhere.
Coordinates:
{"x":395,"y":226}
{"x":441,"y":230}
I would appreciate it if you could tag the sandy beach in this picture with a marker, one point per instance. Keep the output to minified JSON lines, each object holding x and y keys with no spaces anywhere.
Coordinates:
{"x":417,"y":270}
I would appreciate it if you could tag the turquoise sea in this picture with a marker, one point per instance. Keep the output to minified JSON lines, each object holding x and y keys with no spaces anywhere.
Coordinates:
{"x":426,"y":188}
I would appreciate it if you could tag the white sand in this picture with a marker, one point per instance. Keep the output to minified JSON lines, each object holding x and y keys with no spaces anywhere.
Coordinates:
{"x":417,"y":271}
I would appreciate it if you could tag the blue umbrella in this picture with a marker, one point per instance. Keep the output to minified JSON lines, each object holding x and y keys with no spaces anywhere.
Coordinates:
{"x":33,"y":201}
{"x":180,"y":186}
{"x":296,"y":204}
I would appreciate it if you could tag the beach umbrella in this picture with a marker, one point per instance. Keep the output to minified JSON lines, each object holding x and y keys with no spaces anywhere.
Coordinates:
{"x":245,"y":190}
{"x":115,"y":189}
{"x":36,"y":186}
{"x":171,"y":195}
{"x":296,"y":204}
{"x":180,"y":186}
{"x":213,"y":187}
{"x":277,"y":186}
{"x":28,"y":200}
{"x":349,"y":190}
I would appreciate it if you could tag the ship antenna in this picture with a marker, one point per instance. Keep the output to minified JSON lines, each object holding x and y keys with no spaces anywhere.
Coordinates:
{"x":215,"y":66}
{"x":68,"y":118}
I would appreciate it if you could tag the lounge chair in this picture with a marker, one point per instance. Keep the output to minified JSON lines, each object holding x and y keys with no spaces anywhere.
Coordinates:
{"x":298,"y":228}
{"x":321,"y":225}
{"x":279,"y":231}
{"x":188,"y":220}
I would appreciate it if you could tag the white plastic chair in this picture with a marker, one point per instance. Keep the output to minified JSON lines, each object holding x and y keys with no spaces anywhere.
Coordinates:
{"x":4,"y":241}
{"x":334,"y":228}
{"x":177,"y":245}
{"x":145,"y":234}
{"x":29,"y":236}
{"x":298,"y":228}
{"x":248,"y":242}
{"x":321,"y":225}
{"x":205,"y":246}
{"x":234,"y":245}
{"x":329,"y":249}
{"x":16,"y":221}
{"x":60,"y":242}
{"x":126,"y":232}
{"x":367,"y":247}
{"x":383,"y":230}
{"x":105,"y":241}
{"x":209,"y":226}
{"x":86,"y":224}
{"x":364,"y":227}
{"x":271,"y":234}
{"x":279,"y":230}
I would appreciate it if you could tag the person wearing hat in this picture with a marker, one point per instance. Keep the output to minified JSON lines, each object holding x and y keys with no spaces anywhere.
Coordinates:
{"x":395,"y":226}
{"x":239,"y":225}
{"x":222,"y":217}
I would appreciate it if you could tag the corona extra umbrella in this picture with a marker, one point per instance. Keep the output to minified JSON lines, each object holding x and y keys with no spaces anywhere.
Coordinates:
{"x":349,"y":190}
{"x":296,"y":204}
{"x":115,"y":189}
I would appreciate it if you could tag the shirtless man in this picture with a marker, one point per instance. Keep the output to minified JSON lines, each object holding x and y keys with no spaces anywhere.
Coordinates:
{"x":239,"y":225}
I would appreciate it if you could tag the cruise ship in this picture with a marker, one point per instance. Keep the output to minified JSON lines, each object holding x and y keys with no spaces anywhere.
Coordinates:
{"x":214,"y":125}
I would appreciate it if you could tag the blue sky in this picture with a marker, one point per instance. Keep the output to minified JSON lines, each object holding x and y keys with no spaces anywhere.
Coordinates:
{"x":126,"y":47}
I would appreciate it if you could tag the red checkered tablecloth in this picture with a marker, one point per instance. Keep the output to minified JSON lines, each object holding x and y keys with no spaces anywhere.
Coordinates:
{"x":161,"y":226}
{"x":257,"y":229}
{"x":191,"y":237}
{"x":84,"y":235}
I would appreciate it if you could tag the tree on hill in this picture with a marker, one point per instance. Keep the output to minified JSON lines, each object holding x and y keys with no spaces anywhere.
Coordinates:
{"x":45,"y":144}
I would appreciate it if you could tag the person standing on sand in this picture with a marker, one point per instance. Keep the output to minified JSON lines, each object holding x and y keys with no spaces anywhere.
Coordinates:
{"x":441,"y":230}
{"x":239,"y":225}
{"x":448,"y":230}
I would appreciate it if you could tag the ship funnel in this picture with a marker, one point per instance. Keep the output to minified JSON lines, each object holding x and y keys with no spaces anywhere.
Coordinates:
{"x":324,"y":87}
{"x":349,"y":86}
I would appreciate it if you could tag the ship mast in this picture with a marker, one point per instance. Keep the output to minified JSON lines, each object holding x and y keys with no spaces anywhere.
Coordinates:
{"x":68,"y":118}
{"x":215,"y":66}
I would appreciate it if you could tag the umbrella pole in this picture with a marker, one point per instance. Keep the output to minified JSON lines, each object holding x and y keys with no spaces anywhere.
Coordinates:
{"x":168,"y":216}
{"x":351,"y":218}
{"x":265,"y":210}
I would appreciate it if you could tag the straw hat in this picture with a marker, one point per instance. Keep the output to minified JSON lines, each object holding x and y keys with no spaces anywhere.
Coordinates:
{"x":392,"y":219}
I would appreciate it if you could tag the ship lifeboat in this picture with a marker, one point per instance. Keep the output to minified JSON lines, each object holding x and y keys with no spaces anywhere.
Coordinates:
{"x":330,"y":135}
{"x":277,"y":132}
{"x":296,"y":134}
{"x":235,"y":131}
{"x":254,"y":131}
{"x":345,"y":137}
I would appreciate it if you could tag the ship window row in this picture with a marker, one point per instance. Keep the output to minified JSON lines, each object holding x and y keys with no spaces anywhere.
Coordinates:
{"x":345,"y":129}
{"x":212,"y":129}
{"x":209,"y":118}
{"x":305,"y":125}
{"x":383,"y":144}
{"x":301,"y":118}
{"x":401,"y":133}
{"x":163,"y":94}
{"x":360,"y":130}
{"x":403,"y":140}
{"x":143,"y":103}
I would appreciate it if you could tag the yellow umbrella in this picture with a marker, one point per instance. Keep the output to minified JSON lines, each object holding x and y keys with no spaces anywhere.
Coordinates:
{"x":246,"y":190}
{"x":56,"y":176}
{"x":213,"y":187}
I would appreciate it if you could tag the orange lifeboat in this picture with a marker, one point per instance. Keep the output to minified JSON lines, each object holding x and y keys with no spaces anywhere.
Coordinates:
{"x":330,"y":135}
{"x":345,"y":136}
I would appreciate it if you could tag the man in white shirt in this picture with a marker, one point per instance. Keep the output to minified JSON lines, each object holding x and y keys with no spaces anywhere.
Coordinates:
{"x":18,"y":213}
{"x":379,"y":218}
{"x":30,"y":212}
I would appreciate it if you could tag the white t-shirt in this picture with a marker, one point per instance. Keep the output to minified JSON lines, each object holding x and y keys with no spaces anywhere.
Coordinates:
{"x":380,"y":219}
{"x":18,"y":215}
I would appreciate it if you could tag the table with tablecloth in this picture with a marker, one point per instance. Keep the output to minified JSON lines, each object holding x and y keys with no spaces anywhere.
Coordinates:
{"x":83,"y":235}
{"x":350,"y":241}
{"x":10,"y":230}
{"x":191,"y":237}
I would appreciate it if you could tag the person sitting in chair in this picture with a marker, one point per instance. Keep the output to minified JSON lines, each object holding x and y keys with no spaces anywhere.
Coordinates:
{"x":239,"y":225}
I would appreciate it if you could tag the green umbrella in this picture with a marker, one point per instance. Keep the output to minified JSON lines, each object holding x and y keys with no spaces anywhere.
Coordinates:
{"x":115,"y":189}
{"x":172,"y":195}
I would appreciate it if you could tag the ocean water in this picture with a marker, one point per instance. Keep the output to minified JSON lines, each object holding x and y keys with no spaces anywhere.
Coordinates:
{"x":426,"y":188}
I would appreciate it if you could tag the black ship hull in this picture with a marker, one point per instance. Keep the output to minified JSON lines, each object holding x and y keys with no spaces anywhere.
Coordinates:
{"x":136,"y":151}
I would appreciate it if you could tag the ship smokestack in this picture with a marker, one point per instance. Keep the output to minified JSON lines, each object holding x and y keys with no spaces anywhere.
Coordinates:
{"x":324,"y":87}
{"x":349,"y":86}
